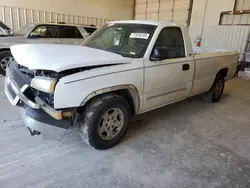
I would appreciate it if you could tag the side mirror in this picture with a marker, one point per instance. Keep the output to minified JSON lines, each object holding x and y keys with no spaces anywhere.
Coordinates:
{"x":159,"y":53}
{"x":34,"y":35}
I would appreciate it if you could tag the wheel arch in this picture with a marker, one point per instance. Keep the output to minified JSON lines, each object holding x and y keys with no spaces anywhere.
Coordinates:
{"x":4,"y":50}
{"x":127,"y":91}
{"x":223,"y":71}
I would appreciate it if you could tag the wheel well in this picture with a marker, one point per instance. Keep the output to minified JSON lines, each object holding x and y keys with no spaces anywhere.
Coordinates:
{"x":4,"y":49}
{"x":130,"y":97}
{"x":223,"y":72}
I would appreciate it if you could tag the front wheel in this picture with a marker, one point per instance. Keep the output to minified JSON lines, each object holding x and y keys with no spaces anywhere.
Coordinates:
{"x":215,"y":92}
{"x":5,"y":58}
{"x":104,"y":121}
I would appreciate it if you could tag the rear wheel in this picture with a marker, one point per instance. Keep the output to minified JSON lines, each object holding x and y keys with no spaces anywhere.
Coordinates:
{"x":5,"y":58}
{"x":105,"y":121}
{"x":214,"y":94}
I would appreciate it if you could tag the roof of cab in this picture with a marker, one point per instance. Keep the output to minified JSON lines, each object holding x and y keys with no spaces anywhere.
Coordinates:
{"x":146,"y":22}
{"x":61,"y":24}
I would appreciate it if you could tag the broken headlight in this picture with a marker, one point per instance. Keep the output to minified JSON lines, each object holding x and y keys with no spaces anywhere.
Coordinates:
{"x":45,"y":84}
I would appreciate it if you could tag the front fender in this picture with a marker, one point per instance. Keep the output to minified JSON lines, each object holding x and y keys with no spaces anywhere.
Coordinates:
{"x":130,"y":88}
{"x":76,"y":93}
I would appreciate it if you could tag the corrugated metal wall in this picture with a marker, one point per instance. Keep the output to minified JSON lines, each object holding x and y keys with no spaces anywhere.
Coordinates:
{"x":17,"y":17}
{"x":167,"y":10}
{"x":222,"y":37}
{"x":235,"y":19}
{"x":108,"y":9}
{"x":205,"y":21}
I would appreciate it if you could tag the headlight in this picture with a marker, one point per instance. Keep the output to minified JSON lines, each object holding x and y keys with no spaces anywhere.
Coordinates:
{"x":44,"y":84}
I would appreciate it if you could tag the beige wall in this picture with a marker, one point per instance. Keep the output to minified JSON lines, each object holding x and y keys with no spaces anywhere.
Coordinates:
{"x":109,"y":9}
{"x":214,"y":9}
{"x":205,"y":23}
{"x":242,"y":5}
{"x":212,"y":12}
{"x":207,"y":13}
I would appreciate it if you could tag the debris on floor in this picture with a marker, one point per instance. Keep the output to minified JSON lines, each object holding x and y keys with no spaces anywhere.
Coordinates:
{"x":245,"y":75}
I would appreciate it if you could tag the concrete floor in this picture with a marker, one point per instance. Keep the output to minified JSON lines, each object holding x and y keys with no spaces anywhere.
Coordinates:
{"x":187,"y":144}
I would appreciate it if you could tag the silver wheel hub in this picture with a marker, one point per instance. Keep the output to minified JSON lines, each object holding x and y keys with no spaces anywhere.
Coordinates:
{"x":111,"y":124}
{"x":5,"y":61}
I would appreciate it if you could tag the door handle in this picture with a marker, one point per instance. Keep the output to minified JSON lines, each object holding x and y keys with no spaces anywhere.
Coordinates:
{"x":185,"y":67}
{"x":55,"y":42}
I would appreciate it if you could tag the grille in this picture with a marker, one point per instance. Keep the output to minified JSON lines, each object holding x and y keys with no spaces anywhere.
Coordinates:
{"x":20,"y":78}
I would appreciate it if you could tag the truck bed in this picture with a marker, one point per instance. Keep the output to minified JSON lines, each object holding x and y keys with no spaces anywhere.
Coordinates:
{"x":199,"y":50}
{"x":208,"y":62}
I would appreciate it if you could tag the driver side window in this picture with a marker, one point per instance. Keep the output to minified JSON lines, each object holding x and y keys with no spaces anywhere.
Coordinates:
{"x":171,"y":40}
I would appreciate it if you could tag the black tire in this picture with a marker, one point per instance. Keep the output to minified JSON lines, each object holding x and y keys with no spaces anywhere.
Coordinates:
{"x":214,"y":95}
{"x":3,"y":55}
{"x":92,"y":115}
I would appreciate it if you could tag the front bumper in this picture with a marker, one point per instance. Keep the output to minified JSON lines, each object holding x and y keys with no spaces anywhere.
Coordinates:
{"x":36,"y":114}
{"x":38,"y":120}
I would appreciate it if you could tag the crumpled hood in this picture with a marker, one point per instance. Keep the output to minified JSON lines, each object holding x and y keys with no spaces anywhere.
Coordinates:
{"x":63,"y":57}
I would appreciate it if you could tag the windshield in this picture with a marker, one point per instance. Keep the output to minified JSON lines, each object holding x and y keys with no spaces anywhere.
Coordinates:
{"x":128,"y":40}
{"x":23,"y":30}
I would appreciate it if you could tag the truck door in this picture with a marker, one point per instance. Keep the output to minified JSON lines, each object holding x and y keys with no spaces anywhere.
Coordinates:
{"x":169,"y":71}
{"x":45,"y":34}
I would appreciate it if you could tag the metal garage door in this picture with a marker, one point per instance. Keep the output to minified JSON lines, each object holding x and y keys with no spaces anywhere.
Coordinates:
{"x":168,"y":10}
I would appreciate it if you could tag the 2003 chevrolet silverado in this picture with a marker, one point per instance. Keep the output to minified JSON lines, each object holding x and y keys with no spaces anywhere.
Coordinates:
{"x":124,"y":69}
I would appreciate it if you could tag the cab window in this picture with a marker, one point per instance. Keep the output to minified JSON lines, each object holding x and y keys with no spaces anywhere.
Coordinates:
{"x":171,"y":39}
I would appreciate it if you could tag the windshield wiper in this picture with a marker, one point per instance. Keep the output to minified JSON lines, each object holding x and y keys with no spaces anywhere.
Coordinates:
{"x":119,"y":53}
{"x":109,"y":50}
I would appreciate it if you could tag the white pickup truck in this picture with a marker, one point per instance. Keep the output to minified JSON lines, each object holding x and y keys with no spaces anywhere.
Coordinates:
{"x":124,"y":69}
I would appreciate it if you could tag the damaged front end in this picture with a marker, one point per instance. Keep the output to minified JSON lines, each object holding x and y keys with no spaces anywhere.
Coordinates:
{"x":33,"y":92}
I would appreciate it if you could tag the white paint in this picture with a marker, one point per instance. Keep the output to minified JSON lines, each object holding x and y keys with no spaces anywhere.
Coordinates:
{"x":139,"y":35}
{"x":6,"y":42}
{"x":150,"y":22}
{"x":62,"y":57}
{"x":158,"y":83}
